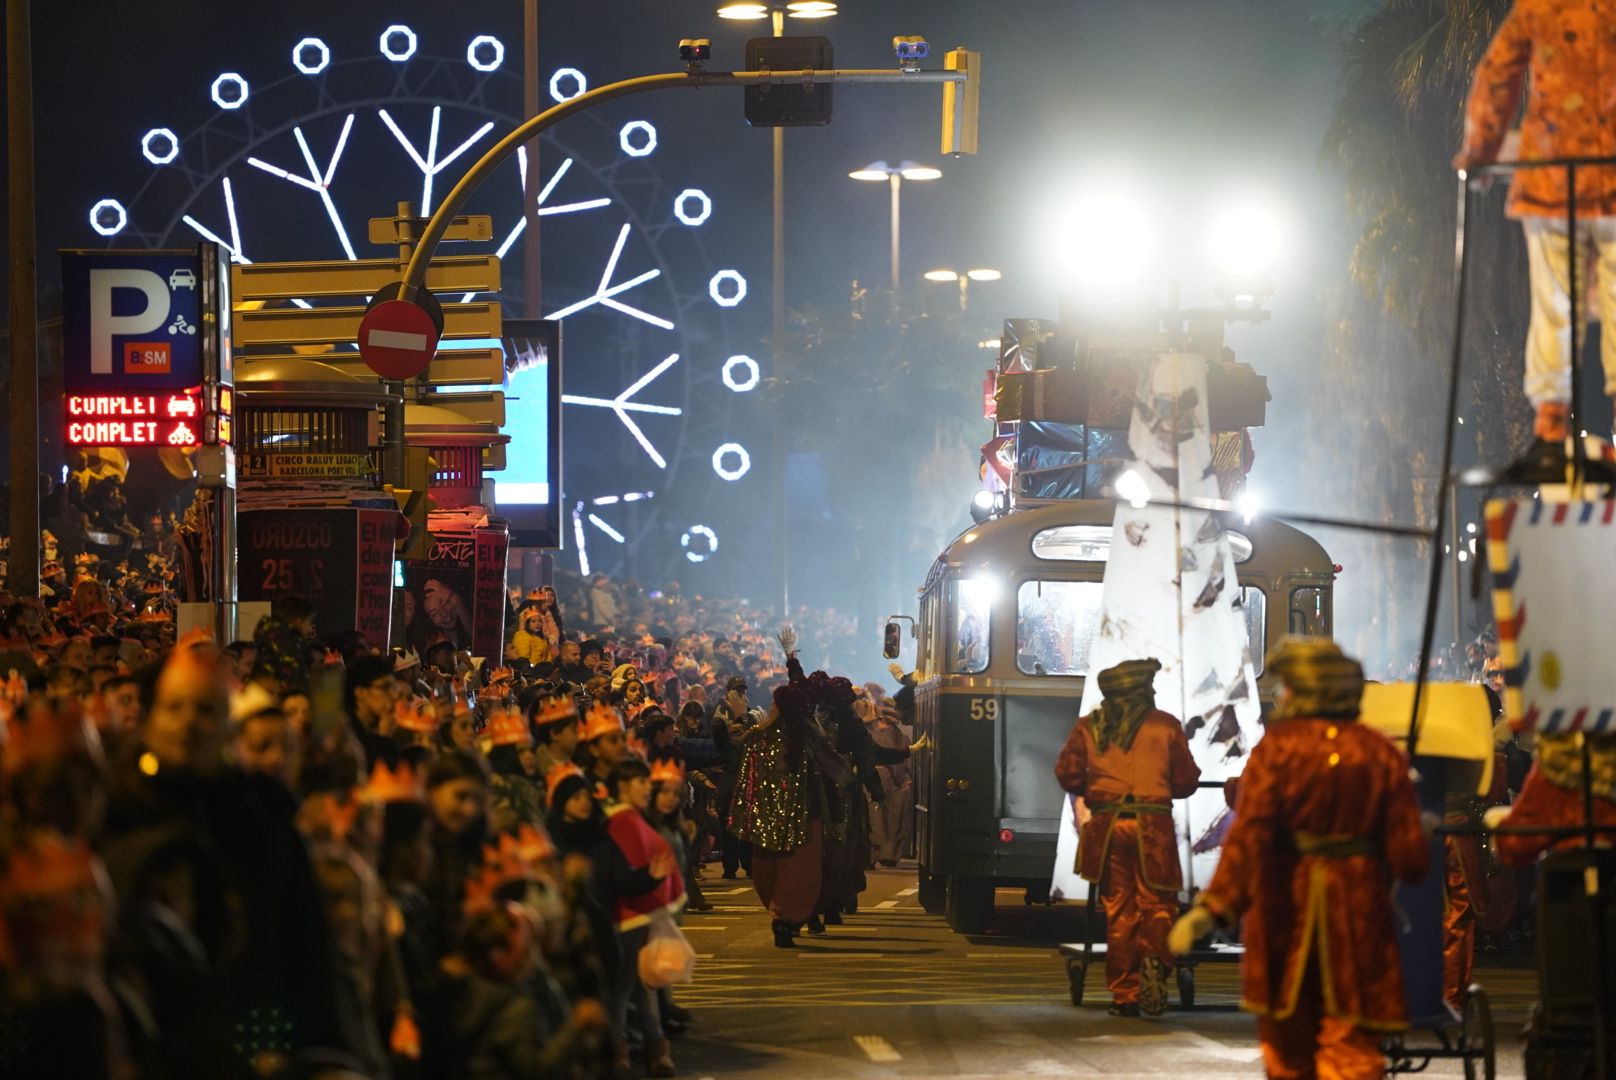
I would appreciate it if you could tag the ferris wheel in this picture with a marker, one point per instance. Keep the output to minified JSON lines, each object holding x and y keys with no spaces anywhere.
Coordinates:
{"x":295,"y":156}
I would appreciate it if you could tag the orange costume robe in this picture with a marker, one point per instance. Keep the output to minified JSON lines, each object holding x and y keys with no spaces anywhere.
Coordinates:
{"x":1326,"y":817}
{"x":1129,"y":843}
{"x":1550,"y":803}
{"x":1567,"y":45}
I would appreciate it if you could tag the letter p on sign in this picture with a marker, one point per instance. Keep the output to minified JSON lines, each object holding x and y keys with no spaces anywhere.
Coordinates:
{"x":104,"y":325}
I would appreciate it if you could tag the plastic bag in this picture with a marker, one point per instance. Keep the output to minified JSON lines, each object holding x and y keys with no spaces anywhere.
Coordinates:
{"x":666,"y":957}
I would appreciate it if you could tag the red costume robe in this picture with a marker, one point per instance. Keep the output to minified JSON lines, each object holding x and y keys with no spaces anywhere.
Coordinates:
{"x":1129,"y":842}
{"x":1551,"y":802}
{"x":1326,"y":817}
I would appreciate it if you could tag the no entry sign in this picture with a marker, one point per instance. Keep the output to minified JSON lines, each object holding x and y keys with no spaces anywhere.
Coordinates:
{"x":397,"y":339}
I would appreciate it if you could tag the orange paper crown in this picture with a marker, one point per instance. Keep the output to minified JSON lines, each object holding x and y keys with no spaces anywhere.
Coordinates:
{"x":637,"y":747}
{"x":331,"y":816}
{"x":667,"y":771}
{"x":507,"y":727}
{"x":554,"y":710}
{"x":48,"y":867}
{"x":37,"y":735}
{"x":387,"y":785}
{"x":558,"y":773}
{"x":417,"y":715}
{"x":601,"y":720}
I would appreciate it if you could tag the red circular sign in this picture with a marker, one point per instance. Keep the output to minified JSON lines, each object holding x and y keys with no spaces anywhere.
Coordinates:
{"x":397,"y":339}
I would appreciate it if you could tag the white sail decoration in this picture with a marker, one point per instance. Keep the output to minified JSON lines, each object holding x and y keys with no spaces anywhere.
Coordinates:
{"x":1170,"y":592}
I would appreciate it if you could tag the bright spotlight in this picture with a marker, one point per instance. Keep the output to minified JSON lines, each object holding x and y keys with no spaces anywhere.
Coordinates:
{"x":1131,"y":486}
{"x":743,"y":11}
{"x":910,"y":170}
{"x":873,"y":173}
{"x":1249,"y":505}
{"x":941,"y":275}
{"x":983,"y":273}
{"x":981,"y":506}
{"x":1245,"y":242}
{"x":1106,"y":241}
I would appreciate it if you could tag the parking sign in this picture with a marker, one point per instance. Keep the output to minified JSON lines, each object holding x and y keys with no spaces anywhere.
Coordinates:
{"x":132,"y":321}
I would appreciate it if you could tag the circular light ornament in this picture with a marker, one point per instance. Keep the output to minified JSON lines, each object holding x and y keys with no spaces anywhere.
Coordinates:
{"x":1245,"y":242}
{"x":148,"y":146}
{"x":1105,"y":241}
{"x":625,"y":138}
{"x":98,"y":212}
{"x":732,"y":297}
{"x":694,"y":551}
{"x":704,"y":206}
{"x":580,"y":85}
{"x":748,"y":380}
{"x":229,"y":78}
{"x":743,"y":461}
{"x":318,"y":46}
{"x":398,"y":56}
{"x":491,"y":43}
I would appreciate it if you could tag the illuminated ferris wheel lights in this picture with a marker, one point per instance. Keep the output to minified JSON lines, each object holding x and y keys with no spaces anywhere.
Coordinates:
{"x":151,"y":137}
{"x":120,"y":217}
{"x":704,"y":206}
{"x":731,"y":297}
{"x":580,"y":85}
{"x":386,"y":43}
{"x":493,"y":44}
{"x":743,"y":461}
{"x":747,"y":382}
{"x":319,"y":47}
{"x":704,"y":532}
{"x":229,"y":78}
{"x":625,"y":139}
{"x":598,"y":522}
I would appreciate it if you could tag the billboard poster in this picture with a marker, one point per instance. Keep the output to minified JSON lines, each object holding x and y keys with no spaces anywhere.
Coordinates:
{"x":439,"y":592}
{"x":341,"y":559}
{"x":488,"y":604}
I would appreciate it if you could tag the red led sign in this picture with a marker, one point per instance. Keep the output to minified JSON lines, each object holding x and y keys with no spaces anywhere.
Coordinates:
{"x":171,"y":419}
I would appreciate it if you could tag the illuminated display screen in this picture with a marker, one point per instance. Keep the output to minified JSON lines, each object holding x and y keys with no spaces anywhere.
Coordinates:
{"x":169,"y":419}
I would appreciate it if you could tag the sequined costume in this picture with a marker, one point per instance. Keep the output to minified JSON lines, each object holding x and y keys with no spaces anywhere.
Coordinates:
{"x":1129,"y":763}
{"x":1326,"y":817}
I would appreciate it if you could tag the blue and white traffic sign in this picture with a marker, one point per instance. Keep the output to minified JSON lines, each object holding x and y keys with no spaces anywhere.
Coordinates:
{"x":131,"y":321}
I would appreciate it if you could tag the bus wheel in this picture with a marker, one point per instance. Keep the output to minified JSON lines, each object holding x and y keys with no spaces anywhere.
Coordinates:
{"x":969,"y":906}
{"x":933,"y":892}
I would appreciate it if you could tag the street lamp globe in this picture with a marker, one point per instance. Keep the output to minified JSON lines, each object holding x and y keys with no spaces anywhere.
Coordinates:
{"x":874,"y":172}
{"x":910,"y":170}
{"x":940,"y":275}
{"x":744,"y":11}
{"x":983,"y":273}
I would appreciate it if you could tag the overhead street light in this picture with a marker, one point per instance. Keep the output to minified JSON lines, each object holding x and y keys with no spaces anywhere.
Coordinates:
{"x":963,"y":278}
{"x":894,"y":176}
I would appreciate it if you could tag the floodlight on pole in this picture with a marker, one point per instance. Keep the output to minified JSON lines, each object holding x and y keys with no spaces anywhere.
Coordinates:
{"x":894,"y":176}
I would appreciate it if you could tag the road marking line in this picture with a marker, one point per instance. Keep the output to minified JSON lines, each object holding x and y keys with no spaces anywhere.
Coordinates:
{"x":1040,"y":957}
{"x":886,"y":904}
{"x":907,"y":892}
{"x":877,"y":1049}
{"x":687,"y":927}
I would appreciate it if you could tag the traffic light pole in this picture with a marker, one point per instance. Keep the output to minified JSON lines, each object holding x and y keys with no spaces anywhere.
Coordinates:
{"x":415,"y":274}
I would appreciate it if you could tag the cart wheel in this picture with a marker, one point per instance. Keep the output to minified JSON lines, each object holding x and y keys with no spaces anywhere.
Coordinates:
{"x":1476,"y":1037}
{"x":1186,"y":987}
{"x":1076,"y":974}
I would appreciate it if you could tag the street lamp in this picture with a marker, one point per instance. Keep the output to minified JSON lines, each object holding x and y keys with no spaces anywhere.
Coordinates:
{"x":776,"y":12}
{"x":894,"y":176}
{"x":981,"y":273}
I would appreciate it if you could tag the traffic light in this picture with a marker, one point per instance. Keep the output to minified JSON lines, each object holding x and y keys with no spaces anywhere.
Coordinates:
{"x":414,"y":502}
{"x":961,"y":102}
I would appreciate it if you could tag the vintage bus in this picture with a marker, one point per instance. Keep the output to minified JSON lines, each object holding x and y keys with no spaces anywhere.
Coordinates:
{"x":998,"y":702}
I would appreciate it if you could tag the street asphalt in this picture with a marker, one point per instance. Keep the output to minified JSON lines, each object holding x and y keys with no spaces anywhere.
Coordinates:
{"x":895,"y":993}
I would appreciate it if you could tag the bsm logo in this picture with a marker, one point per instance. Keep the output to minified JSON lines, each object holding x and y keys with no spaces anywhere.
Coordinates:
{"x":139,"y":357}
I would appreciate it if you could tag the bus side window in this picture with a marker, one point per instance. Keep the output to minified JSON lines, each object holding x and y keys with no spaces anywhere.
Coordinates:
{"x":1254,"y":606}
{"x":971,"y":610}
{"x":1310,"y":611}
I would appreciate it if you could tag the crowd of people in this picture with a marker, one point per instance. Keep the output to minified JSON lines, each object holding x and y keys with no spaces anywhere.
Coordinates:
{"x":304,"y":854}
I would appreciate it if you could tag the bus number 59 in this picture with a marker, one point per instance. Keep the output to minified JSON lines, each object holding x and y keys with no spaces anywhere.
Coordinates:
{"x":984,"y":708}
